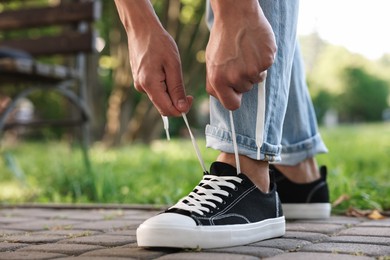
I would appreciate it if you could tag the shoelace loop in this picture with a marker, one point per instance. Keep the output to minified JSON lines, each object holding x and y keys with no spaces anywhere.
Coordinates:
{"x":206,"y":194}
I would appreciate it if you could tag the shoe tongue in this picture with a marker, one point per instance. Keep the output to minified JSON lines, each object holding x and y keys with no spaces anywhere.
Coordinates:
{"x":222,"y":169}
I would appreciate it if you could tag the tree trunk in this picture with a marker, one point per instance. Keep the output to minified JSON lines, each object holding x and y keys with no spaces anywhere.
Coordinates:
{"x":130,"y":118}
{"x":119,"y":102}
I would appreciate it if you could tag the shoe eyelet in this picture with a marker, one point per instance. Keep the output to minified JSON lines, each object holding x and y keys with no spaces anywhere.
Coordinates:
{"x":223,"y":202}
{"x":236,"y":188}
{"x":230,"y":195}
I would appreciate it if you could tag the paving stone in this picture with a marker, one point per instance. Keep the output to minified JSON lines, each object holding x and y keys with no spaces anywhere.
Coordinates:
{"x":68,"y":249}
{"x":361,"y":239}
{"x":90,"y":233}
{"x":342,"y":220}
{"x":315,"y":227}
{"x":84,"y":215}
{"x":248,"y":250}
{"x":6,"y":246}
{"x":32,"y":238}
{"x":6,"y":232}
{"x":108,"y":225}
{"x":12,"y":219}
{"x":308,"y":236}
{"x":367,"y":231}
{"x":131,"y":232}
{"x":94,"y":258}
{"x":318,"y":256}
{"x":89,"y":214}
{"x":141,"y":216}
{"x":96,"y":215}
{"x":42,"y":225}
{"x":349,"y":248}
{"x":28,"y":255}
{"x":134,"y":252}
{"x":283,"y":243}
{"x":136,"y":245}
{"x":206,"y":256}
{"x":70,"y":233}
{"x":377,"y":223}
{"x":34,"y":212}
{"x":102,"y":240}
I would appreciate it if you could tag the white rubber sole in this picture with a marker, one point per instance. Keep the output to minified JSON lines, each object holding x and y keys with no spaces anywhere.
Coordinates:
{"x":209,"y":236}
{"x":306,"y":210}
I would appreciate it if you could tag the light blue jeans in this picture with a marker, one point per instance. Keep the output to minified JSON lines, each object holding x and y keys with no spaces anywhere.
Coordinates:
{"x":290,"y":131}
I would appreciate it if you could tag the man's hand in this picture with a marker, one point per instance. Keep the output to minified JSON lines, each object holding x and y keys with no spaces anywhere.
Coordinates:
{"x":154,"y":58}
{"x":156,"y":68}
{"x":241,"y":48}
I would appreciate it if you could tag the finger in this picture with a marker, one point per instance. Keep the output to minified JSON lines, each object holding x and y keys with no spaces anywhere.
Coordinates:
{"x":209,"y":88}
{"x":175,"y":87}
{"x":239,"y":81}
{"x":228,"y":97}
{"x":138,"y":87}
{"x":243,"y":87}
{"x":256,"y":78}
{"x":153,"y":84}
{"x":162,"y":100}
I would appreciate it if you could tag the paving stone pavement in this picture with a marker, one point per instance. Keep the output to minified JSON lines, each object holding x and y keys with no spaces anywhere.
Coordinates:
{"x":108,"y":232}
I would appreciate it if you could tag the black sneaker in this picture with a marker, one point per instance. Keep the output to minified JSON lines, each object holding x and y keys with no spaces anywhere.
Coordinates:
{"x":303,"y":201}
{"x":224,"y":210}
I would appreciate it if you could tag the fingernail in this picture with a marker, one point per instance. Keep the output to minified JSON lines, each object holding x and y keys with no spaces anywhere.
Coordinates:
{"x":181,"y":104}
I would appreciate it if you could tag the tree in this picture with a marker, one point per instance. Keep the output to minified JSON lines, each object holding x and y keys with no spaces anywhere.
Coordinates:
{"x":365,"y":96}
{"x":357,"y":88}
{"x":322,"y":102}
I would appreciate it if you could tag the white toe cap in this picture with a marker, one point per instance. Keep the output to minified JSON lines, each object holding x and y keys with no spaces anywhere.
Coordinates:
{"x":169,"y":219}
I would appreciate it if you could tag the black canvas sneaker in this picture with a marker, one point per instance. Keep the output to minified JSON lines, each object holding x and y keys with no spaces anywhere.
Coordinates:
{"x":224,"y":210}
{"x":303,"y":201}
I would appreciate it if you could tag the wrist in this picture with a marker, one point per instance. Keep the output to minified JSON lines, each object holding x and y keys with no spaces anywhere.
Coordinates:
{"x":138,"y":16}
{"x":228,"y":10}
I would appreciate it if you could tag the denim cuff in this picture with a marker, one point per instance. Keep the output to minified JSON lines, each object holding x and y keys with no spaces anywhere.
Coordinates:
{"x":294,"y":153}
{"x":221,"y":139}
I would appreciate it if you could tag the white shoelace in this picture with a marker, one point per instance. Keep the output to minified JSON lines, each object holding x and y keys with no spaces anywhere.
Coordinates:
{"x":193,"y":202}
{"x":206,"y":194}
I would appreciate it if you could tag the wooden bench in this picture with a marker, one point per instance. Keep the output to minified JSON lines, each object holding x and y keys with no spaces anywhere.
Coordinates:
{"x":64,"y":30}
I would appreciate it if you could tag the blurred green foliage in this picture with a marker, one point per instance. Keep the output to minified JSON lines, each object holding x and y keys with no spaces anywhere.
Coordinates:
{"x":165,"y":171}
{"x":356,"y":88}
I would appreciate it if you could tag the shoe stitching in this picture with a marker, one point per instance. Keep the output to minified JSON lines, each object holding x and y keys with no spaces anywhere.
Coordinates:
{"x":231,"y":205}
{"x":231,"y":215}
{"x":220,"y":215}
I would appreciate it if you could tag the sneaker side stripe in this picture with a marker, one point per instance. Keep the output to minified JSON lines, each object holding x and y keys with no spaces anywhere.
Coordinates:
{"x":221,"y":215}
{"x":239,"y":198}
{"x":232,"y":215}
{"x":315,"y":189}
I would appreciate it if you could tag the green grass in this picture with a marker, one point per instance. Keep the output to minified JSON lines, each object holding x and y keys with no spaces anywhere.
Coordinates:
{"x":358,"y":163}
{"x":55,"y":172}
